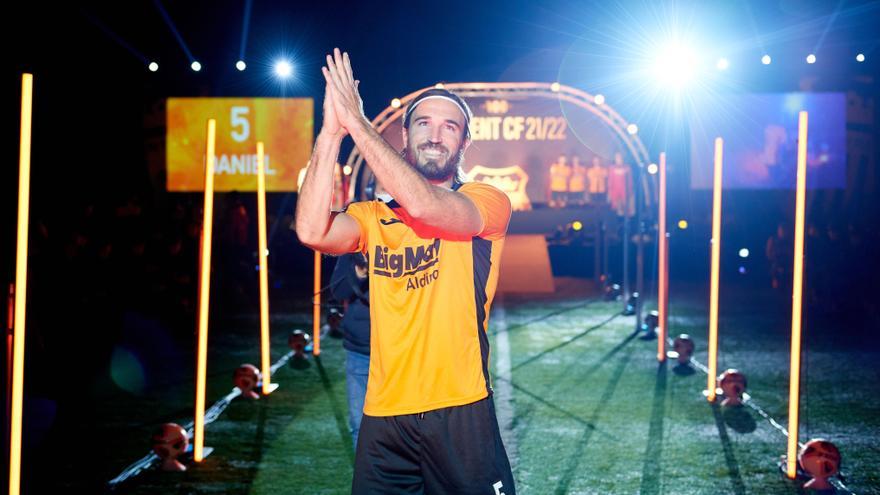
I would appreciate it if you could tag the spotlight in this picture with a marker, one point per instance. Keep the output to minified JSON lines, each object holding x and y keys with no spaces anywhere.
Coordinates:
{"x":766,"y":60}
{"x":599,"y":99}
{"x":346,"y":170}
{"x":153,"y":66}
{"x":298,"y":341}
{"x":169,"y":442}
{"x":860,"y":57}
{"x":440,"y":86}
{"x":674,"y":65}
{"x":682,"y":224}
{"x":821,"y":460}
{"x":554,"y":87}
{"x":283,"y":69}
{"x":683,"y":347}
{"x":240,"y":65}
{"x":631,"y":304}
{"x":722,"y":64}
{"x":576,"y":225}
{"x":811,"y":59}
{"x":653,"y":168}
{"x":742,"y":270}
{"x":395,"y":103}
{"x":744,"y":253}
{"x":733,"y":384}
{"x":632,"y":128}
{"x":246,"y":378}
{"x":649,"y":325}
{"x":196,"y":66}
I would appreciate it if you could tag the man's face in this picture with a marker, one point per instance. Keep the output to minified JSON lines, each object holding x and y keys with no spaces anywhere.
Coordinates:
{"x":435,"y":140}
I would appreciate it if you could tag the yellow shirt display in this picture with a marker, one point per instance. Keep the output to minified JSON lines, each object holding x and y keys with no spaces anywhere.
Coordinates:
{"x":430,"y":295}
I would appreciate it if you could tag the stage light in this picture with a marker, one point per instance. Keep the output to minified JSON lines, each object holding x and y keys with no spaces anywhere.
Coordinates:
{"x":675,"y":65}
{"x":440,"y":86}
{"x":766,"y":60}
{"x":240,"y":65}
{"x":632,"y":129}
{"x":860,"y":57}
{"x":631,"y":304}
{"x":652,"y":168}
{"x":741,"y":270}
{"x":153,"y":66}
{"x":744,"y":253}
{"x":395,"y":103}
{"x":554,"y":87}
{"x":811,"y":59}
{"x":196,"y":66}
{"x":722,"y":64}
{"x":682,"y":224}
{"x":599,"y":99}
{"x":346,"y":170}
{"x":576,"y":225}
{"x":283,"y":69}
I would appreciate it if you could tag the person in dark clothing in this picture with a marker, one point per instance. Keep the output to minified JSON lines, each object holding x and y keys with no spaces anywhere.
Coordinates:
{"x":349,"y":284}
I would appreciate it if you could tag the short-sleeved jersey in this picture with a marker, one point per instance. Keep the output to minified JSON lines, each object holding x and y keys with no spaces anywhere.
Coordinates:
{"x":430,"y":294}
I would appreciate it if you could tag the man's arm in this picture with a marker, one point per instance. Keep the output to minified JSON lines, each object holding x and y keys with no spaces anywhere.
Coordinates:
{"x":432,"y":205}
{"x":316,"y":226}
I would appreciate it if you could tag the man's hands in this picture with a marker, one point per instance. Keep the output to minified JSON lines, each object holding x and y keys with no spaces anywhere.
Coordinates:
{"x":343,"y":107}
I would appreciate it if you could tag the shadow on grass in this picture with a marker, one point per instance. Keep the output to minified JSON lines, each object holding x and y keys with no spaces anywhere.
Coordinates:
{"x":651,"y":464}
{"x":732,"y":465}
{"x":739,"y":419}
{"x":339,"y":412}
{"x":544,"y":317}
{"x":567,"y":342}
{"x":574,"y":460}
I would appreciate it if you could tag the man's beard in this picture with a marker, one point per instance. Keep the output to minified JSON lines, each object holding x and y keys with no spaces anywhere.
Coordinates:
{"x":439,"y":169}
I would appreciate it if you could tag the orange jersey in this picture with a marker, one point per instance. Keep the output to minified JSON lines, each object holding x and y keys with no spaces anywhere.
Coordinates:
{"x":430,"y":294}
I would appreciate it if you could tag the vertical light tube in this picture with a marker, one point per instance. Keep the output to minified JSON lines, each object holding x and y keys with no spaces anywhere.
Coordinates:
{"x":716,"y":262}
{"x":797,"y":297}
{"x":661,"y":262}
{"x":316,"y":310}
{"x":204,"y":296}
{"x":21,"y":255}
{"x":264,"y":269}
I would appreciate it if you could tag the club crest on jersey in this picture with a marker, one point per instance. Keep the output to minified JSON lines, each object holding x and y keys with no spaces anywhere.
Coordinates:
{"x":412,"y":262}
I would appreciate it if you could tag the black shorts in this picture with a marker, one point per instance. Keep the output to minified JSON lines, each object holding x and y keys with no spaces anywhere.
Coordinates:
{"x":454,"y":450}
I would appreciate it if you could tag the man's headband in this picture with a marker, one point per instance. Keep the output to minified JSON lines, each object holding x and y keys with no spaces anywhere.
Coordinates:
{"x":441,"y":94}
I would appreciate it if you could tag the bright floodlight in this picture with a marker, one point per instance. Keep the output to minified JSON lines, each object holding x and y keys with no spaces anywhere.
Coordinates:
{"x":765,"y":60}
{"x":632,"y":128}
{"x":675,"y":65}
{"x":439,"y":86}
{"x":554,"y":87}
{"x":811,"y":59}
{"x":860,"y":57}
{"x":652,"y":168}
{"x":153,"y":66}
{"x":395,"y":103}
{"x":744,"y":253}
{"x":196,"y":66}
{"x":599,"y":99}
{"x":683,"y":224}
{"x":240,"y":65}
{"x":283,"y":69}
{"x":346,"y":170}
{"x":722,"y":64}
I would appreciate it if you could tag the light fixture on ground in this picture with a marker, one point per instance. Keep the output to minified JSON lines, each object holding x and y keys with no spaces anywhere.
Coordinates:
{"x":733,"y":384}
{"x":631,"y":304}
{"x":283,"y":69}
{"x":649,"y":325}
{"x":246,"y":378}
{"x":169,"y":442}
{"x":682,"y":349}
{"x":820,"y":459}
{"x":240,"y":65}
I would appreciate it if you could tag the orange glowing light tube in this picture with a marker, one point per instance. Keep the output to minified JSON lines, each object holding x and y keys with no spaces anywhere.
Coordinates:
{"x":264,"y":270}
{"x":797,"y":298}
{"x":716,"y":262}
{"x":316,"y":310}
{"x":204,"y":296}
{"x":661,"y":262}
{"x":24,"y":187}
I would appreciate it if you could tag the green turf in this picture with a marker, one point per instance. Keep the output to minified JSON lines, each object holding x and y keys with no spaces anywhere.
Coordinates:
{"x":584,"y":406}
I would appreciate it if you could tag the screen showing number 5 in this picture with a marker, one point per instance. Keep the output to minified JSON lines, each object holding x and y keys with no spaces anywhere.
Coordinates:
{"x":238,"y":120}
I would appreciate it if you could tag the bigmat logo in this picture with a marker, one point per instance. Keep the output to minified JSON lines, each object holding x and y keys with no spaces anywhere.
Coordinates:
{"x":413,"y":262}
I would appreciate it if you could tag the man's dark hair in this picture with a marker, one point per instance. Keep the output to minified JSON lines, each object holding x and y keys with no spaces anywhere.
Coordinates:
{"x":442,"y":93}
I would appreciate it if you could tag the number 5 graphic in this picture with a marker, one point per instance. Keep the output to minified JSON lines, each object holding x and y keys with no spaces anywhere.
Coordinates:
{"x":237,"y":118}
